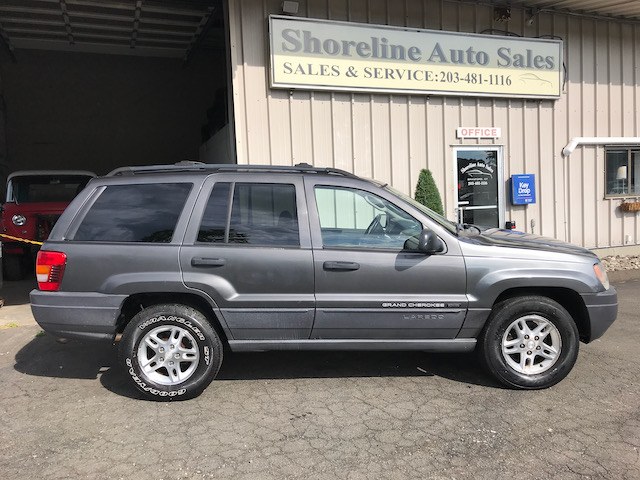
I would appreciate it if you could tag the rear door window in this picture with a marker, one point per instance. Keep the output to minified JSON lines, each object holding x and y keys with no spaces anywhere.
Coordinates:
{"x":134,"y":213}
{"x":261,"y":214}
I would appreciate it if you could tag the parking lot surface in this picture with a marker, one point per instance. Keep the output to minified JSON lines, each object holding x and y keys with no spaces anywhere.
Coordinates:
{"x":68,"y":412}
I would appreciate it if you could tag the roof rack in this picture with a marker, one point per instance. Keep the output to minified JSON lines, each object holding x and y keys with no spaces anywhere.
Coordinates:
{"x":190,"y":166}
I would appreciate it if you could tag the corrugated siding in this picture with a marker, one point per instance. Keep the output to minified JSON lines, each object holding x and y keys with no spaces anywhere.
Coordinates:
{"x":626,"y":8}
{"x":392,"y":137}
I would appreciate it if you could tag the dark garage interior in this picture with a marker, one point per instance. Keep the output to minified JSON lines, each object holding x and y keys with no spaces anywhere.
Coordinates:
{"x":94,"y":85}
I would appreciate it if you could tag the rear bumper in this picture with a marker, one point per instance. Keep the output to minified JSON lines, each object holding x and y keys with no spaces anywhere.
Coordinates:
{"x":91,"y":316}
{"x":603,"y":309}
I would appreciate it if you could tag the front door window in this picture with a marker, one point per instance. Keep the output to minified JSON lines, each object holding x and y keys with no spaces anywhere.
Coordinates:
{"x":355,"y":218}
{"x":479,"y":194}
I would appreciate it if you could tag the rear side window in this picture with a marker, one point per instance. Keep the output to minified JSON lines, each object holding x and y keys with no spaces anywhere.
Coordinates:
{"x":214,"y":221}
{"x":261,"y":214}
{"x":134,"y":213}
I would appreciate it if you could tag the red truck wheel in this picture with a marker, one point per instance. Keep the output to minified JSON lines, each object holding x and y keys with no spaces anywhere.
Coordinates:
{"x":13,"y":266}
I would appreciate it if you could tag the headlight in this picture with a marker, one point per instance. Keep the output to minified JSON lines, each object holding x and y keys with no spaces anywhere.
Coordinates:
{"x":601,"y":275}
{"x":19,"y":220}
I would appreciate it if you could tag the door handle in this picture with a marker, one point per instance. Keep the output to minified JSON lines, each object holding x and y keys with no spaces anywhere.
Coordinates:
{"x":207,"y":262}
{"x":341,"y":266}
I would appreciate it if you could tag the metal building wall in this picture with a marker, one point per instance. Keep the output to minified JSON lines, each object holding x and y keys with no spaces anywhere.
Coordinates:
{"x":392,"y":137}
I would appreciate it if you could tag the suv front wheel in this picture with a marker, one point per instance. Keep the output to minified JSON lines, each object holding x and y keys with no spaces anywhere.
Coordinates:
{"x":171,"y":352}
{"x":529,"y":342}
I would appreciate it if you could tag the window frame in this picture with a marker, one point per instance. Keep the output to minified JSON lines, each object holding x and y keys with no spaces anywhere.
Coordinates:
{"x":629,"y":150}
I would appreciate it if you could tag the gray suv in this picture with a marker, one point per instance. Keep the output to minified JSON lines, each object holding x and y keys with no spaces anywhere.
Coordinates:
{"x":179,"y":262}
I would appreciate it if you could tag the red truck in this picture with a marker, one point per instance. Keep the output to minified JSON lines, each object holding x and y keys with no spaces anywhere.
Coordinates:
{"x":35,"y":200}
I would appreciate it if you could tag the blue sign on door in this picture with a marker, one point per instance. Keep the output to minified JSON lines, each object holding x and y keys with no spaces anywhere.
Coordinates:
{"x":523,"y":189}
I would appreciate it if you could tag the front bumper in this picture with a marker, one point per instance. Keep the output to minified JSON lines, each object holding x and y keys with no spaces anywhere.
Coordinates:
{"x":90,"y":316}
{"x":603,"y":309}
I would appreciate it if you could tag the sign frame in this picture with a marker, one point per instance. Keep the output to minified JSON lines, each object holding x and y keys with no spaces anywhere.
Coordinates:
{"x":407,"y":91}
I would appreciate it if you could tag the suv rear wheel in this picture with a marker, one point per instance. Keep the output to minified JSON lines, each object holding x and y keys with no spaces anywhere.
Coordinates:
{"x":171,"y":352}
{"x":529,"y":342}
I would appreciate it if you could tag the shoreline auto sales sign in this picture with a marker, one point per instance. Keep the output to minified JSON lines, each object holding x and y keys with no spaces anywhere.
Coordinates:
{"x":315,"y":54}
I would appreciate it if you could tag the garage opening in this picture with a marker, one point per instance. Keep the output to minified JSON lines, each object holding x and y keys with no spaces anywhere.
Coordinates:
{"x":94,"y":85}
{"x":87,"y":86}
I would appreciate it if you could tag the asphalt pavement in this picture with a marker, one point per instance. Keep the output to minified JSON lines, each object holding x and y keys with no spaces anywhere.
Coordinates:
{"x":68,"y":412}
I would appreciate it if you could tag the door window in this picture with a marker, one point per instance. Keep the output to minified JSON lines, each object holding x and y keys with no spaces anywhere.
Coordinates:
{"x":355,"y":218}
{"x":261,"y":214}
{"x":478,"y":187}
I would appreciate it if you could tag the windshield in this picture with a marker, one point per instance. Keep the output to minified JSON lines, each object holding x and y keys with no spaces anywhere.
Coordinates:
{"x":436,"y":217}
{"x":45,"y":188}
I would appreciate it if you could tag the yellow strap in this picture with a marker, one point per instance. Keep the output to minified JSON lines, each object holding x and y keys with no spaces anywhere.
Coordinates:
{"x":17,"y":239}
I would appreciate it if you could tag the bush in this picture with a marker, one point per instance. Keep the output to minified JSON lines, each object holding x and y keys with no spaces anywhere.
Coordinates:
{"x":427,"y":192}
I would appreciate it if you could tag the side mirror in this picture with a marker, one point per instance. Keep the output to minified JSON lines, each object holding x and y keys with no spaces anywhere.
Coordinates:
{"x":426,"y":242}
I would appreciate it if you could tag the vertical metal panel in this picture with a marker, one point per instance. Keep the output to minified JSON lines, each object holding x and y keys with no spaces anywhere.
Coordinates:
{"x":275,"y":146}
{"x":636,"y":102}
{"x":342,"y":121}
{"x":362,"y":139}
{"x":301,"y":139}
{"x":615,"y":118}
{"x":400,"y":131}
{"x":588,"y":126}
{"x":321,"y":129}
{"x":547,"y":193}
{"x":573,"y":180}
{"x":381,"y":132}
{"x":254,"y":32}
{"x":237,"y":75}
{"x":438,"y":154}
{"x":627,"y":110}
{"x":602,"y":121}
{"x":418,"y":139}
{"x":391,"y":137}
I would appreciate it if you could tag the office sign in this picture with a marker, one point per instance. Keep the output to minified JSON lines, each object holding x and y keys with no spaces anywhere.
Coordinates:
{"x":523,"y":189}
{"x":316,"y":54}
{"x":478,"y":132}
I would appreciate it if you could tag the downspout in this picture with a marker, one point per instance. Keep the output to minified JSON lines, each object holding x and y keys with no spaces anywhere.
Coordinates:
{"x":575,"y":141}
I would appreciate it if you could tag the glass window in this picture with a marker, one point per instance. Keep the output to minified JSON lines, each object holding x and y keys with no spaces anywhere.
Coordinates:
{"x":355,"y":218}
{"x":214,"y":221}
{"x":47,"y":188}
{"x":622,"y":172}
{"x":264,"y":214}
{"x":436,"y":217}
{"x":134,"y":213}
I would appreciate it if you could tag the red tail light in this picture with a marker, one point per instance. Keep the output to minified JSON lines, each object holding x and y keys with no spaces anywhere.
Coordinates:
{"x":50,"y":269}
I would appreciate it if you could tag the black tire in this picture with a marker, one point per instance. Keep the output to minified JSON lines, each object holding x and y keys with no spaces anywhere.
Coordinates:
{"x":159,"y":322}
{"x":530,"y":309}
{"x":13,"y":267}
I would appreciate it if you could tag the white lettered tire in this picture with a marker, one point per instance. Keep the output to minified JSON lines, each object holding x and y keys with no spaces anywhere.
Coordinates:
{"x":170,"y":352}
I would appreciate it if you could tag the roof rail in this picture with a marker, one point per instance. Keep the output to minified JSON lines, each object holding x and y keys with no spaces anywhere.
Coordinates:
{"x":190,"y":166}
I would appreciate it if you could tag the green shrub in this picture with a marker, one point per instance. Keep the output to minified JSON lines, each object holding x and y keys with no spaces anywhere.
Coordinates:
{"x":427,"y":192}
